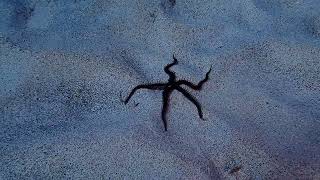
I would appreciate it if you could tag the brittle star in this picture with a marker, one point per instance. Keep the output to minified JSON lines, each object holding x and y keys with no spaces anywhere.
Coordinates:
{"x":169,"y":87}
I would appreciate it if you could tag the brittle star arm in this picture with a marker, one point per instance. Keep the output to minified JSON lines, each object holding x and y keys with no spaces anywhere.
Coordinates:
{"x":192,"y":99}
{"x":165,"y":98}
{"x":156,"y":86}
{"x":172,"y":75}
{"x":195,"y":86}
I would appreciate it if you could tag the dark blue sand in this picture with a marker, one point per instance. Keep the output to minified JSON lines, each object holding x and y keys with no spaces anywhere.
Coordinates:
{"x":65,"y":65}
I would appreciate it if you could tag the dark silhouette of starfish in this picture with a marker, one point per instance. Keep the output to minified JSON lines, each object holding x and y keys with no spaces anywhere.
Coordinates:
{"x":168,"y":88}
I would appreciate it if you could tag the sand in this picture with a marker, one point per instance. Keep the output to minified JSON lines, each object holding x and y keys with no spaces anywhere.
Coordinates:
{"x":66,"y":66}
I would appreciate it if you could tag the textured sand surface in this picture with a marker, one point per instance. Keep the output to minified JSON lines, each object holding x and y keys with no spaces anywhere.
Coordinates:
{"x":65,"y":65}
